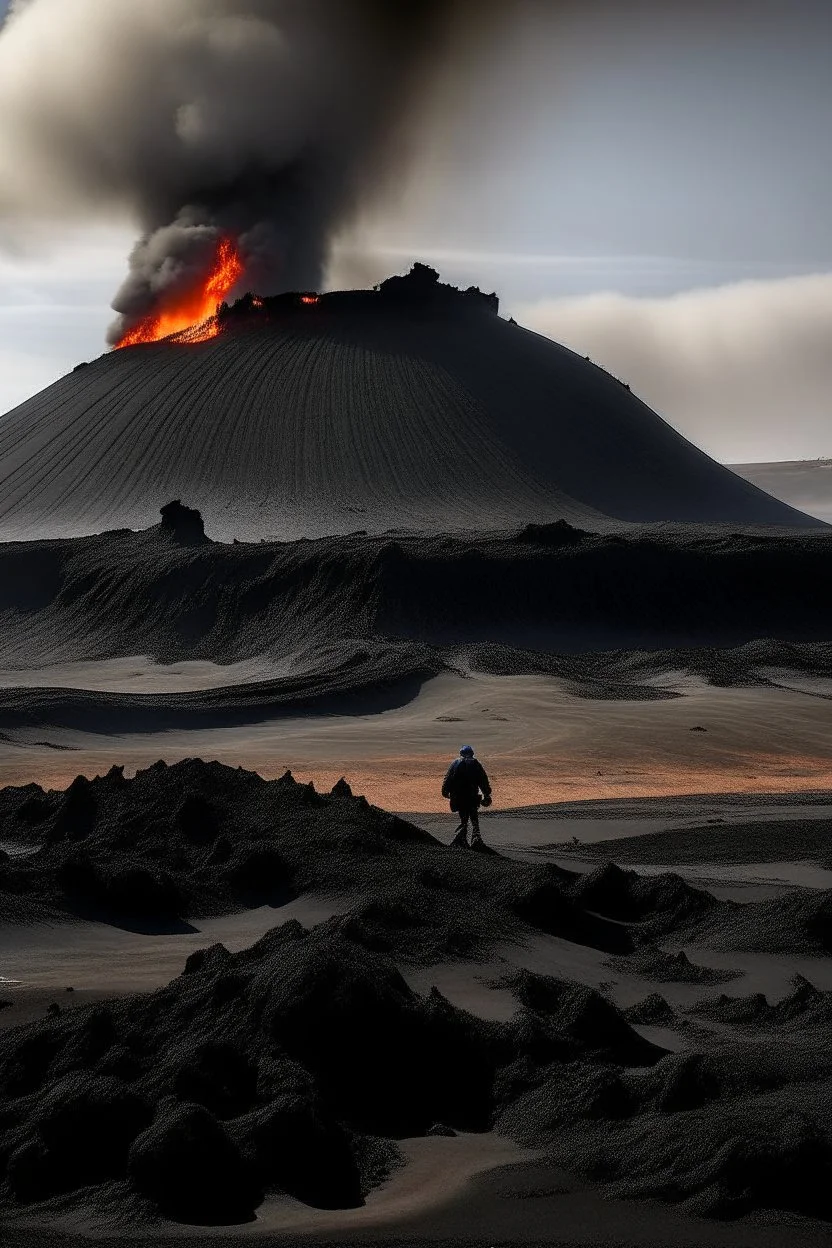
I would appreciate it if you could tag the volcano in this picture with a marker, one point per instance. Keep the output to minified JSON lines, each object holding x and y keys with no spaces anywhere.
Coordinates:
{"x":411,"y":406}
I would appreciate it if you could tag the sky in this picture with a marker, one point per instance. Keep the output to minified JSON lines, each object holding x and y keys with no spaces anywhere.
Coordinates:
{"x":647,"y":183}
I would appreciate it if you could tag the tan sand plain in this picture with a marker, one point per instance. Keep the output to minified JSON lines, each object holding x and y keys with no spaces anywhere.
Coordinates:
{"x":539,"y":741}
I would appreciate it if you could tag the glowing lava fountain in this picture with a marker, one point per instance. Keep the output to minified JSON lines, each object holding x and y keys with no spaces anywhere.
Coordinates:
{"x":196,"y":308}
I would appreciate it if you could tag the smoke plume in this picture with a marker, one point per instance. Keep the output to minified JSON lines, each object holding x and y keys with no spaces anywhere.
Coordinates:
{"x":269,"y":120}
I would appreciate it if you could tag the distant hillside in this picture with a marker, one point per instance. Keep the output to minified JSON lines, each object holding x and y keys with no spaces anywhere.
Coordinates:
{"x":802,"y":483}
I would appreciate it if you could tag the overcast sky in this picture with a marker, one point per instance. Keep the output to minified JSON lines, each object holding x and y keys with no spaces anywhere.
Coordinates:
{"x":652,"y":188}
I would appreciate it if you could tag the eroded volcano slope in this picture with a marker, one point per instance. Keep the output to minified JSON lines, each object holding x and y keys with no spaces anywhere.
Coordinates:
{"x":350,"y":416}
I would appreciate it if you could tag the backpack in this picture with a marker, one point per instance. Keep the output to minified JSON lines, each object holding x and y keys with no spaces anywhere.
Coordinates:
{"x":460,"y":785}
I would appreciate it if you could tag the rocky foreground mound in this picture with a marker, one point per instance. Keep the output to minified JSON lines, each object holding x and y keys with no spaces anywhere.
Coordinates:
{"x":198,"y":838}
{"x":294,"y":1066}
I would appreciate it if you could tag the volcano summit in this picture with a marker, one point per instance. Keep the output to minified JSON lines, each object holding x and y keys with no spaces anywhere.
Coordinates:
{"x":411,"y":406}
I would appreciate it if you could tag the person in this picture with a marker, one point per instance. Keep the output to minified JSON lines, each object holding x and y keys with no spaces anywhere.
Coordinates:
{"x":464,"y":782}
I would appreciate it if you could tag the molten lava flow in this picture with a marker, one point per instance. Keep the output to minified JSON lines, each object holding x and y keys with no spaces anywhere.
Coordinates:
{"x":196,"y":308}
{"x":309,"y":298}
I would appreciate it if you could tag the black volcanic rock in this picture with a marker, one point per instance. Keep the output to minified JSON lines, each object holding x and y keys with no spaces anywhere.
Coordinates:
{"x":666,"y":899}
{"x":684,"y":1081}
{"x":294,"y":1065}
{"x":293,"y":1144}
{"x":188,"y":1165}
{"x":200,"y":838}
{"x":118,"y":888}
{"x":652,"y":1010}
{"x":650,"y":962}
{"x":218,"y":1076}
{"x":570,"y":1093}
{"x":77,"y":812}
{"x":582,"y":1016}
{"x":275,"y":1068}
{"x":722,"y":1134}
{"x":805,"y":1006}
{"x":183,"y":524}
{"x":545,"y":904}
{"x":797,"y":922}
{"x":84,"y":1127}
{"x":558,"y":533}
{"x":259,"y":874}
{"x":723,"y":1161}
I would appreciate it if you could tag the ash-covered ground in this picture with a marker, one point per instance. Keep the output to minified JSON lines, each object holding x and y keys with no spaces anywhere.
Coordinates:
{"x":363,"y":620}
{"x":251,"y":1003}
{"x":301,"y":1068}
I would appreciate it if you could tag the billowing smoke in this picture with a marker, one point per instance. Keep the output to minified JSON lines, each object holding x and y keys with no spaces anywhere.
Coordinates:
{"x":269,"y":120}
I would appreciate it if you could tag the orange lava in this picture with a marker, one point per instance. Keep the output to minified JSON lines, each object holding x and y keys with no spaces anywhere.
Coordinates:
{"x":309,"y":298}
{"x":196,"y":308}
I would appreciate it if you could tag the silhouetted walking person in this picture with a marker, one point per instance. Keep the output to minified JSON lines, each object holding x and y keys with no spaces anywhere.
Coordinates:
{"x":464,"y":782}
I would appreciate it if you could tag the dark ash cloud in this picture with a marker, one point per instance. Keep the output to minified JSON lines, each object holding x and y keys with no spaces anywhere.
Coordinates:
{"x":271,"y":120}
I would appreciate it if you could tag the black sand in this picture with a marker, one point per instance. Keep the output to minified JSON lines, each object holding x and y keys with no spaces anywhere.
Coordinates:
{"x":310,"y":1045}
{"x":314,"y":421}
{"x":356,"y":624}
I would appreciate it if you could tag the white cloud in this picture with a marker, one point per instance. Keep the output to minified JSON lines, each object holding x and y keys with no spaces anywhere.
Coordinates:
{"x":745,"y":370}
{"x":54,"y":308}
{"x":21,"y":375}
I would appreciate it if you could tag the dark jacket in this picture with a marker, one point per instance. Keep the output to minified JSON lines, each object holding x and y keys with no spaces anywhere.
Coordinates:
{"x":464,"y":780}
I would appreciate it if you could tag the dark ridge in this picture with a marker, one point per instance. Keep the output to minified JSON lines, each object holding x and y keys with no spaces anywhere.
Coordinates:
{"x":663,"y":900}
{"x":652,"y":1011}
{"x":417,"y":293}
{"x":199,"y":838}
{"x":664,"y":967}
{"x":783,"y":840}
{"x":796,"y":922}
{"x":804,"y":1006}
{"x":356,"y":624}
{"x":721,"y":1134}
{"x":583,"y":1016}
{"x":558,"y":533}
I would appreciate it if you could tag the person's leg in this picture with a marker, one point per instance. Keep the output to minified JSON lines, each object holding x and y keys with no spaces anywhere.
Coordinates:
{"x":475,"y":826}
{"x":461,"y":837}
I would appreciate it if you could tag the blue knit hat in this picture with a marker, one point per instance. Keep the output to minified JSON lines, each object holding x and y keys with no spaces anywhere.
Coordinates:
{"x":467,"y":749}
